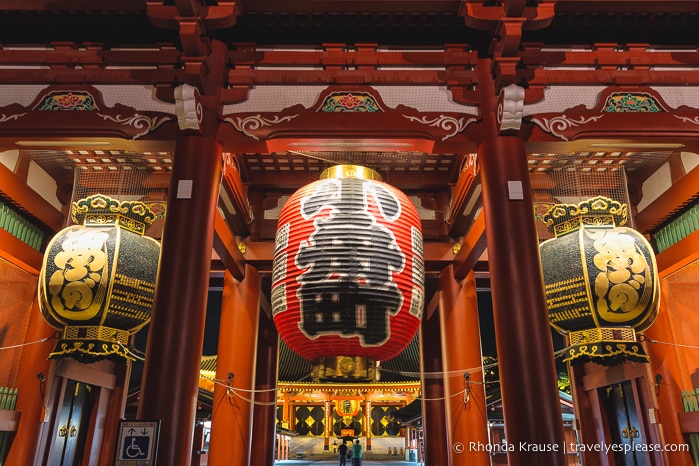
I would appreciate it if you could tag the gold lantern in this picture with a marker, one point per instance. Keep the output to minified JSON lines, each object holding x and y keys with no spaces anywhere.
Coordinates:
{"x":601,"y":281}
{"x":97,"y":280}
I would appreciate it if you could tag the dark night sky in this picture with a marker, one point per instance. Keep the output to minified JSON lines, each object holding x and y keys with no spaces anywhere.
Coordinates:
{"x":485,"y":312}
{"x":213,"y":314}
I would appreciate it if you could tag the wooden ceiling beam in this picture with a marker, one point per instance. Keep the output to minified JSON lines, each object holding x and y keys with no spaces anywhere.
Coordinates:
{"x":601,"y":55}
{"x":409,"y":183}
{"x":606,"y":77}
{"x":353,"y":54}
{"x":681,"y":193}
{"x":226,"y":247}
{"x":472,"y":248}
{"x":16,"y":190}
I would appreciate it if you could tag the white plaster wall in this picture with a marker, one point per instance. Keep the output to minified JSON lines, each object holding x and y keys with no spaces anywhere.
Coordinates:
{"x":9,"y":159}
{"x":43,"y":184}
{"x":660,"y":181}
{"x":37,"y":178}
{"x":139,"y":97}
{"x":277,"y":98}
{"x":690,"y":160}
{"x":655,"y":185}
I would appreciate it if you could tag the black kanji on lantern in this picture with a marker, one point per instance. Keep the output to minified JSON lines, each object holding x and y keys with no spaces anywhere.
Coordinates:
{"x":348,"y":286}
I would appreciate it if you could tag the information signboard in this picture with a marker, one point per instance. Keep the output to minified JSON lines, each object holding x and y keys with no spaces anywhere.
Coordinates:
{"x":137,"y":444}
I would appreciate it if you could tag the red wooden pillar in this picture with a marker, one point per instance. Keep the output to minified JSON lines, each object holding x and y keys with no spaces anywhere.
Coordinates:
{"x":173,"y":355}
{"x":588,"y":415}
{"x":525,"y":351}
{"x":665,"y":362}
{"x":31,"y":387}
{"x":231,"y":420}
{"x":115,"y":411}
{"x":265,"y":411}
{"x":467,"y":424}
{"x":367,"y":404}
{"x":433,"y":407}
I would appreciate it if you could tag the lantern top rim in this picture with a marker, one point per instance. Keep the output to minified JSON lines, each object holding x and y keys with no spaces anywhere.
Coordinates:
{"x":101,"y":210}
{"x":561,"y":219}
{"x":350,"y":171}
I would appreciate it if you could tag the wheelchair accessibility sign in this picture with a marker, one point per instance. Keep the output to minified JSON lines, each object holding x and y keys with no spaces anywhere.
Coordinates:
{"x":137,"y":443}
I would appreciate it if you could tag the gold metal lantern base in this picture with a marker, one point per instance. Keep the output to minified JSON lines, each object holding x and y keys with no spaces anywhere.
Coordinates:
{"x":345,"y":368}
{"x":605,"y":346}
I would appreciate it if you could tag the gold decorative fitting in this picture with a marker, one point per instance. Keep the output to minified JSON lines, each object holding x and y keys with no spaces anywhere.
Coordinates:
{"x":345,"y":368}
{"x":597,"y":212}
{"x":98,"y":332}
{"x":101,"y":210}
{"x":604,"y":334}
{"x":350,"y":171}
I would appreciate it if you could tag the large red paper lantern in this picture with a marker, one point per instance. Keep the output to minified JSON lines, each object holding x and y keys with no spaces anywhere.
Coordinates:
{"x":348,"y":274}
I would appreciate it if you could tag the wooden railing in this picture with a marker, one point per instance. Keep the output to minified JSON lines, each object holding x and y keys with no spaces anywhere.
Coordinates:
{"x":8,"y":419}
{"x":690,"y":399}
{"x":672,"y":232}
{"x":16,"y":224}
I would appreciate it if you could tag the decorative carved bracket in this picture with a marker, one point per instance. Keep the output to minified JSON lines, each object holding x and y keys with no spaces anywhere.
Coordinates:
{"x":507,"y":20}
{"x":340,"y":118}
{"x":87,"y":111}
{"x":510,"y":108}
{"x":188,"y":107}
{"x":621,"y":112}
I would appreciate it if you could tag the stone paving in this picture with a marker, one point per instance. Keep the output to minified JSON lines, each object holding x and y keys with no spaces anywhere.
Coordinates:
{"x":336,"y":462}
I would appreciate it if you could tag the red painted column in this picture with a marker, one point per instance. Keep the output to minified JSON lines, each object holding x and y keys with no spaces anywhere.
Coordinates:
{"x":433,"y":407}
{"x":467,"y":423}
{"x":665,"y":361}
{"x":265,"y":412}
{"x":523,"y":336}
{"x":588,"y":413}
{"x":367,"y":404}
{"x":31,"y":390}
{"x":171,"y":372}
{"x":115,"y":411}
{"x":231,"y":420}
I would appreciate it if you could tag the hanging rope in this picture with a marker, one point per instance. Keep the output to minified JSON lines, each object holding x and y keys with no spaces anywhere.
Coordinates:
{"x":55,"y":336}
{"x":679,"y":345}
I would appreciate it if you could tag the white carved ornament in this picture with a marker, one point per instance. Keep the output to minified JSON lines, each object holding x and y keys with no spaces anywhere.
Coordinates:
{"x":562,"y":123}
{"x":188,"y":107}
{"x":694,"y":120}
{"x":253,"y":122}
{"x":4,"y":118}
{"x":444,"y":122}
{"x":510,"y":108}
{"x":138,"y":121}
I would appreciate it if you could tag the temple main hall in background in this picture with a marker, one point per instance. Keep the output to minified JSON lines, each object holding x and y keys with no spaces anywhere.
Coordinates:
{"x":462,"y":232}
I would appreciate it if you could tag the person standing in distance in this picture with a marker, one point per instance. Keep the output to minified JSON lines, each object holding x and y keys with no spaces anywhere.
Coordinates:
{"x":357,"y":453}
{"x":342,"y":449}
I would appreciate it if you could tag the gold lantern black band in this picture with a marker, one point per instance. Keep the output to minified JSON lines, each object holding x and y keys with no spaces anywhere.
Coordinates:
{"x":601,"y":281}
{"x":97,"y":281}
{"x":88,"y":343}
{"x":605,"y":346}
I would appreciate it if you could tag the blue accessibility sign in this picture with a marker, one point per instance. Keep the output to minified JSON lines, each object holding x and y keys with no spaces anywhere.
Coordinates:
{"x":136,"y":448}
{"x":137,"y":442}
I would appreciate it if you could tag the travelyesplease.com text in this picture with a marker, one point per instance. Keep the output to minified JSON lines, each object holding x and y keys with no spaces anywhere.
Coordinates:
{"x":570,"y":447}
